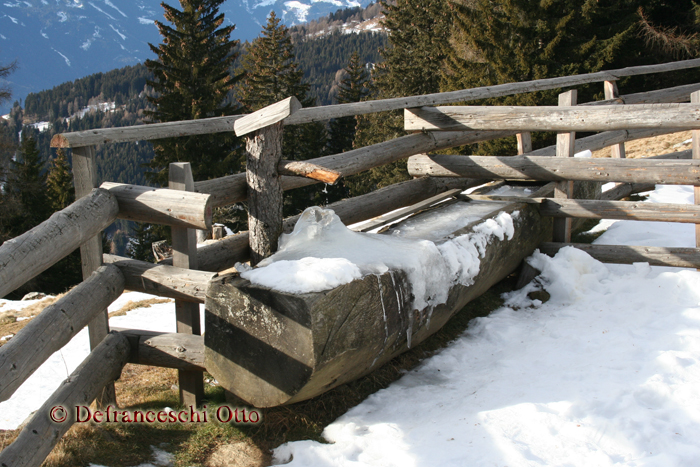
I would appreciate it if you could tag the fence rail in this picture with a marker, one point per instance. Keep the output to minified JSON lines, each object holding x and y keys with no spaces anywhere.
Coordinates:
{"x":22,"y":258}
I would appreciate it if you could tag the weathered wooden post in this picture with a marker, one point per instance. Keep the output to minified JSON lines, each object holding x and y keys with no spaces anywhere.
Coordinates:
{"x":524,"y":142}
{"x":85,"y":180}
{"x":263,"y":155}
{"x":191,"y":383}
{"x":565,"y":148}
{"x":611,"y":92}
{"x":695,"y":99}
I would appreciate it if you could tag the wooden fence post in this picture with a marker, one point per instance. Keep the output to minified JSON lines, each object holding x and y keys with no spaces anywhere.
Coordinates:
{"x":191,"y":383}
{"x":695,"y":99}
{"x":85,"y":180}
{"x":565,"y":148}
{"x":263,"y":154}
{"x":524,"y":142}
{"x":611,"y":92}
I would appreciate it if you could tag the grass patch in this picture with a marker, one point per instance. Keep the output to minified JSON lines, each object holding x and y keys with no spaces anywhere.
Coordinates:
{"x":131,"y":305}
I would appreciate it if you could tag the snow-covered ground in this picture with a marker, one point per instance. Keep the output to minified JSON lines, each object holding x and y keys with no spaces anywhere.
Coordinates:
{"x":606,"y":372}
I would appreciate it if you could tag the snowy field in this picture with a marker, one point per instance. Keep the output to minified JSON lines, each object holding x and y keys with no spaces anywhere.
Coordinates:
{"x":607,"y":372}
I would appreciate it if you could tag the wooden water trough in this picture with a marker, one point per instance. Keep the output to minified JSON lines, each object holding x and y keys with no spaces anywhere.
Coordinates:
{"x":273,"y":347}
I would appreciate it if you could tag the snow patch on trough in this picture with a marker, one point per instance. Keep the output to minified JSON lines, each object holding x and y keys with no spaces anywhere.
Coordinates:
{"x":321,"y":253}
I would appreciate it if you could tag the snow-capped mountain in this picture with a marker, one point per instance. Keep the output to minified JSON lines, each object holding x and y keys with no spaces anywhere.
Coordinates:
{"x":54,"y":41}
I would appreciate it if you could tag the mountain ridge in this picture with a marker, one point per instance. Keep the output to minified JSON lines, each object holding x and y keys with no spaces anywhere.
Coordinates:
{"x":63,"y":40}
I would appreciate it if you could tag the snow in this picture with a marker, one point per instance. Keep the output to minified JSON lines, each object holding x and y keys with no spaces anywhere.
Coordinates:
{"x":118,"y":32}
{"x":46,"y":379}
{"x":41,"y":126}
{"x":110,"y":4}
{"x":102,"y":11}
{"x":63,"y":56}
{"x":605,"y":373}
{"x":300,"y":10}
{"x":321,"y":253}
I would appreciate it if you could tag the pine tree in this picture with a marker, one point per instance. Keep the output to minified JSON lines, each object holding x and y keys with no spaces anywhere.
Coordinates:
{"x":502,"y":41}
{"x":419,"y":35}
{"x":141,"y":244}
{"x":353,"y":88}
{"x":27,"y":184}
{"x":5,"y":92}
{"x":271,"y":75}
{"x":270,"y":72}
{"x":59,"y":182}
{"x":192,"y":81}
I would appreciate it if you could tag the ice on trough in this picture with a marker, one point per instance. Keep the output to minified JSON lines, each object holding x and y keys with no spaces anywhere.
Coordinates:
{"x":333,"y":304}
{"x":322,"y":253}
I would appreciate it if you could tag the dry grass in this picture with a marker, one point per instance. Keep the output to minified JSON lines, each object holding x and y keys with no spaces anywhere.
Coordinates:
{"x":131,"y":305}
{"x":12,"y":321}
{"x":655,"y":146}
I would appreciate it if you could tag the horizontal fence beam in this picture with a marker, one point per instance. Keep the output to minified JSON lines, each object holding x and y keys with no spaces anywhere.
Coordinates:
{"x":55,"y":326}
{"x":315,"y":114}
{"x":232,"y":189}
{"x":167,"y":350}
{"x":41,"y":434}
{"x":622,"y":210}
{"x":552,"y":118}
{"x":31,"y":253}
{"x":267,"y":116}
{"x":162,"y":206}
{"x":161,"y":279}
{"x":147,"y":132}
{"x":627,"y":254}
{"x":230,"y":250}
{"x":674,"y":94}
{"x":671,"y":172}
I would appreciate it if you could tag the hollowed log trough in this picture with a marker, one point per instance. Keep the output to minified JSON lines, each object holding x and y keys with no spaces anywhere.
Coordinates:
{"x":272,"y":348}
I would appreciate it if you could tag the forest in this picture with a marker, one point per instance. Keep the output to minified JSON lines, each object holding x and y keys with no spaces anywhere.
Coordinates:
{"x":425,"y":47}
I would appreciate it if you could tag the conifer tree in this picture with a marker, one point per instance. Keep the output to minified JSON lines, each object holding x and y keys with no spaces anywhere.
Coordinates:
{"x":59,"y":182}
{"x":270,"y":72}
{"x":192,"y":81}
{"x":27,"y":184}
{"x":419,"y":35}
{"x":353,"y":88}
{"x":271,"y":75}
{"x":5,"y":70}
{"x":141,"y":244}
{"x":502,"y":41}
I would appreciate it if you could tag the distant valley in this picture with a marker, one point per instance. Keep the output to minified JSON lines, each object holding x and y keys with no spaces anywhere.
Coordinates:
{"x":54,"y":41}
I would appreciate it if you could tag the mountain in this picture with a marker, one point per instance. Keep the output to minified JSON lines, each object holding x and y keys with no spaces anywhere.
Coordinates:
{"x":54,"y":41}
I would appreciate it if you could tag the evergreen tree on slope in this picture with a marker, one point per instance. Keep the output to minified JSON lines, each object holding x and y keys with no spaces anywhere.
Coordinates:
{"x":353,"y":88}
{"x":192,"y":81}
{"x":419,"y":35}
{"x":503,"y":41}
{"x":27,"y":183}
{"x":271,"y":75}
{"x":59,"y":182}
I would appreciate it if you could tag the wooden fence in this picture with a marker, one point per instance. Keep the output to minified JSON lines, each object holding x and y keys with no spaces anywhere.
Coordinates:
{"x":187,"y":205}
